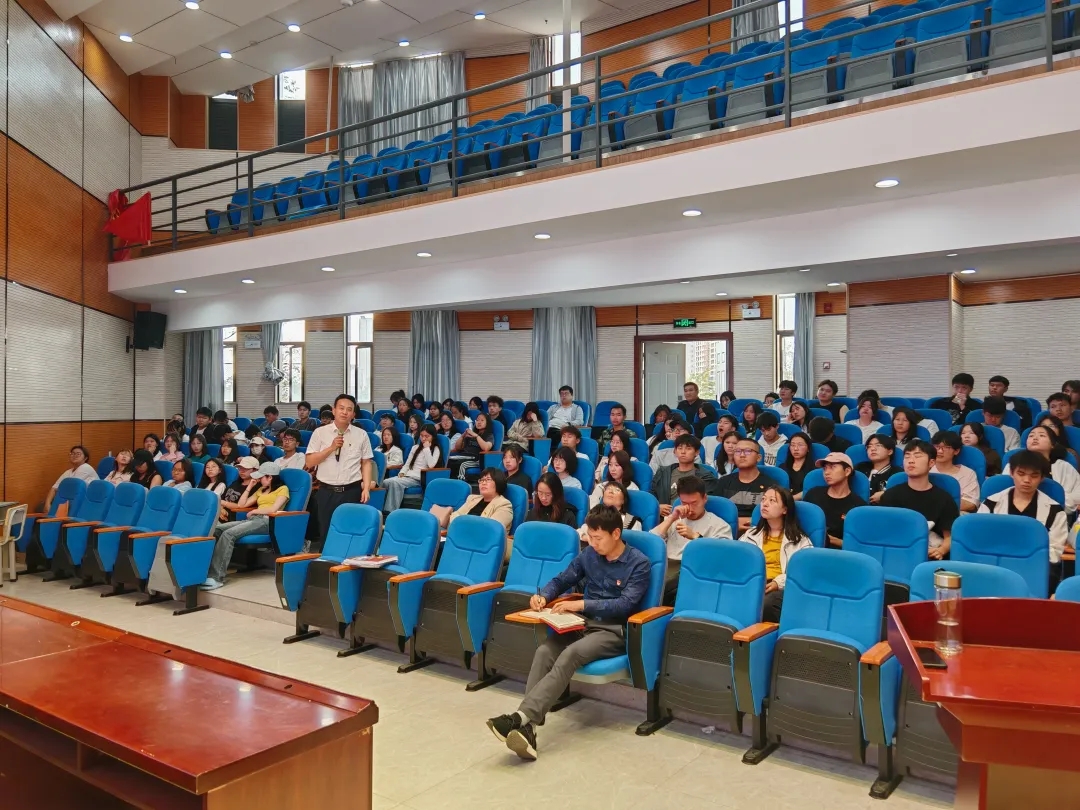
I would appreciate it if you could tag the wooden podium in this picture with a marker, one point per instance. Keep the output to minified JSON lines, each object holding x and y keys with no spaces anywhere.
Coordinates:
{"x":1010,"y":701}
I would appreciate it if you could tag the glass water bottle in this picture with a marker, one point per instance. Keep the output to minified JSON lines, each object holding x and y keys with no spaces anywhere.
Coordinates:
{"x":947,"y":602}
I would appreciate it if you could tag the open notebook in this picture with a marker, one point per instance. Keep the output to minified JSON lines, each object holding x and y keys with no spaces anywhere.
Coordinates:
{"x":559,"y":622}
{"x":370,"y":561}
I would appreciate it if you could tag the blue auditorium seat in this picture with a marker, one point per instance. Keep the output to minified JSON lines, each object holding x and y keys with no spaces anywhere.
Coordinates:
{"x":643,"y":78}
{"x":653,"y":113}
{"x":1011,"y":541}
{"x":614,"y":107}
{"x":898,"y":539}
{"x":312,"y":193}
{"x":579,"y":499}
{"x":361,"y":172}
{"x":287,"y":528}
{"x":996,"y":483}
{"x":186,"y":517}
{"x":644,"y":506}
{"x":333,"y":180}
{"x":420,"y":156}
{"x":1069,"y":589}
{"x":124,"y":508}
{"x":946,"y":57}
{"x":523,"y":145}
{"x":102,"y":561}
{"x":105,"y":466}
{"x":814,"y":77}
{"x":92,"y":507}
{"x":285,"y":198}
{"x":875,"y":67}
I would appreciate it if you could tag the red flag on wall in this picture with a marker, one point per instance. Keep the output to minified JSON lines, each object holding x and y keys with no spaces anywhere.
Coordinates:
{"x":128,"y":223}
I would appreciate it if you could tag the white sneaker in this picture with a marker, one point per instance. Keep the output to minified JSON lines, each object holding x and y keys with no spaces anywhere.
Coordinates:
{"x":211,"y":585}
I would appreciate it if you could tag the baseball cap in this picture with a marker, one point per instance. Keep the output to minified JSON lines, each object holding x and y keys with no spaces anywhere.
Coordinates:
{"x":248,"y":462}
{"x":258,"y":440}
{"x":836,"y":458}
{"x":267,"y":468}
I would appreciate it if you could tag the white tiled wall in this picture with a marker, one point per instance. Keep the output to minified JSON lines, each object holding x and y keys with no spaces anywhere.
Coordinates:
{"x":899,"y":349}
{"x":754,"y":352}
{"x":105,"y":144}
{"x":496,"y":363}
{"x":830,"y":345}
{"x":150,"y":381}
{"x":253,"y":393}
{"x":615,"y":364}
{"x":389,"y":366}
{"x":108,"y":391}
{"x":956,"y":338}
{"x":324,"y":367}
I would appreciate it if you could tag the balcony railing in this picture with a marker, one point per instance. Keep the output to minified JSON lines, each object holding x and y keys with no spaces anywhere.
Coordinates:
{"x":762,"y":76}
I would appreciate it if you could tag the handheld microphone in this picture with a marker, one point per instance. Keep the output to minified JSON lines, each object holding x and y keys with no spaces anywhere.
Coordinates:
{"x":337,"y":455}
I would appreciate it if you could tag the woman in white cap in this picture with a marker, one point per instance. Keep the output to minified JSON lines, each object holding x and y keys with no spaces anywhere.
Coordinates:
{"x":271,"y":495}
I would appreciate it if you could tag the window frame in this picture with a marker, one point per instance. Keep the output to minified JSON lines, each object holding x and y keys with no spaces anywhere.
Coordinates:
{"x":783,"y":335}
{"x":228,"y":360}
{"x":355,"y":349}
{"x":294,"y":348}
{"x":557,"y":57}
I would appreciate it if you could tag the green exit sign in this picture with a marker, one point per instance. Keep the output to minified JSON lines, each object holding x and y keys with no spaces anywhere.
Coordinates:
{"x":684,"y":323}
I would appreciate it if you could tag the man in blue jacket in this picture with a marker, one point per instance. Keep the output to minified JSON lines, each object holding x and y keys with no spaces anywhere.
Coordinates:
{"x":613,"y":578}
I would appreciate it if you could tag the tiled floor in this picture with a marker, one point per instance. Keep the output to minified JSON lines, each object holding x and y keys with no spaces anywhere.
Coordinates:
{"x":432,"y":749}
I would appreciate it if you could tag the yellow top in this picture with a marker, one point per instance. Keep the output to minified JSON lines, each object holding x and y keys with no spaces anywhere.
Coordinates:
{"x":771,"y":547}
{"x":268,"y":499}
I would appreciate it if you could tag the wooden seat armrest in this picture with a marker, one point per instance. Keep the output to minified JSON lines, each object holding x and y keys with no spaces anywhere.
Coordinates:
{"x":149,"y":534}
{"x":517,"y":618}
{"x":113,"y":529}
{"x":297,"y":558}
{"x":55,"y":519}
{"x":755,"y":631}
{"x":81,"y":523}
{"x":436,"y":469}
{"x":649,"y":615}
{"x":877,"y":655}
{"x":412,"y":576}
{"x":38,"y":515}
{"x":479,"y":587}
{"x":337,"y":569}
{"x":175,"y":541}
{"x":286,"y":514}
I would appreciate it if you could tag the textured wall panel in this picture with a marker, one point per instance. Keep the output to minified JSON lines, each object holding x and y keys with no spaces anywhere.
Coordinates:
{"x":44,"y":357}
{"x":257,"y":126}
{"x":105,"y":145}
{"x":174,"y":374}
{"x":150,"y":381}
{"x":956,"y":338}
{"x":496,"y":363}
{"x":389,"y":366}
{"x":154,"y":105}
{"x":754,"y":353}
{"x":134,"y":158}
{"x":192,"y":122}
{"x":107,"y":76}
{"x":615,"y":364}
{"x":253,"y":393}
{"x":830,"y":345}
{"x":108,"y":369}
{"x":3,"y":69}
{"x":324,"y":366}
{"x":29,"y":483}
{"x":315,"y":108}
{"x":3,"y":378}
{"x":879,"y":358}
{"x":44,"y":96}
{"x":479,"y":72}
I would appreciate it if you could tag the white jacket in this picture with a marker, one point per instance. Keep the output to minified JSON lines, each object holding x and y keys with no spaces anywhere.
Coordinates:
{"x":1065,"y":474}
{"x":1050,"y":514}
{"x":787,"y":548}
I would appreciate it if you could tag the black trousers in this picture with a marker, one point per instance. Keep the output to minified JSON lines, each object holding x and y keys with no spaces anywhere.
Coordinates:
{"x":326,"y":501}
{"x":774,"y":603}
{"x":671,"y":582}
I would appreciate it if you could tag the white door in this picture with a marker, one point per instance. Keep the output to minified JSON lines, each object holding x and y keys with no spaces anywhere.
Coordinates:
{"x":665,"y":373}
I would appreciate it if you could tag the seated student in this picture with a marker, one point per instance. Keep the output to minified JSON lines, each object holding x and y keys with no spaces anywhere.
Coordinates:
{"x":490,"y":502}
{"x":171,"y":452}
{"x":447,"y":405}
{"x":788,"y":389}
{"x":999,"y":387}
{"x":387,"y":420}
{"x":530,"y":426}
{"x":564,"y":463}
{"x":826,"y":391}
{"x":620,"y":470}
{"x":725,"y":399}
{"x":619,"y":443}
{"x":687,"y":521}
{"x":220,"y":428}
{"x":412,"y":427}
{"x":274,"y":431}
{"x":213,"y":477}
{"x":272,"y":415}
{"x":203,"y":417}
{"x":822,"y":430}
{"x":1060,"y":406}
{"x":570,"y":437}
{"x":326,"y":416}
{"x":460,"y":412}
{"x":176,"y":425}
{"x":904,"y":422}
{"x":1057,"y":433}
{"x":564,"y":412}
{"x":445,"y":426}
{"x":395,"y":397}
{"x":660,"y":416}
{"x":391,"y":446}
{"x":749,"y":417}
{"x":197,"y":449}
{"x":183,"y":475}
{"x":798,"y":463}
{"x":256,"y":447}
{"x":292,"y":458}
{"x":404,"y":408}
{"x":867,"y":421}
{"x":1024,"y":498}
{"x":466,"y":450}
{"x":690,"y":401}
{"x":799,"y":415}
{"x":724,"y":457}
{"x":778,"y":535}
{"x":419,"y":403}
{"x":880,"y":468}
{"x":835,"y":498}
{"x":687,"y":465}
{"x":434,"y":411}
{"x":304,"y":419}
{"x":994,"y":414}
{"x":235,"y":491}
{"x":872,"y":394}
{"x":929,"y":500}
{"x":423,"y":456}
{"x":946,"y":447}
{"x":613,"y":578}
{"x":704,"y":416}
{"x":230,"y":453}
{"x":477,"y":404}
{"x":973,"y":434}
{"x":144,"y":472}
{"x":1041,"y":440}
{"x":79,"y":458}
{"x":512,"y":459}
{"x":152,"y":443}
{"x":549,"y":505}
{"x":615,"y":495}
{"x":1072,"y":388}
{"x":959,"y":405}
{"x":725,"y":424}
{"x":666,"y":457}
{"x":124,"y":468}
{"x":747,"y":484}
{"x":496,"y":412}
{"x":771,"y":438}
{"x":618,"y":423}
{"x":770,"y":399}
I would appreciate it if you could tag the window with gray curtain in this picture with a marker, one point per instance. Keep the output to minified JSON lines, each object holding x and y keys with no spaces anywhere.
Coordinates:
{"x":435,"y":354}
{"x":804,"y":344}
{"x":539,"y":57}
{"x":392,"y":87}
{"x":204,"y":375}
{"x":759,"y":25}
{"x":564,"y":352}
{"x":271,"y":341}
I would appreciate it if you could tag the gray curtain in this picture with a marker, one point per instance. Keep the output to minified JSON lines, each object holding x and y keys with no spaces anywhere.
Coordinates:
{"x":391,"y":87}
{"x":754,"y":26}
{"x":271,"y":342}
{"x":564,"y":352}
{"x":539,"y":57}
{"x":204,"y":375}
{"x":804,"y":344}
{"x":434,"y":354}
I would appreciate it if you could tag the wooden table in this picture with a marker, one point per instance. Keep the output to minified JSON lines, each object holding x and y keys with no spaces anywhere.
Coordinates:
{"x":91,"y":716}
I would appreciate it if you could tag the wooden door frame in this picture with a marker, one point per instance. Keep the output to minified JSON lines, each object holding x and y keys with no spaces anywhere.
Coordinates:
{"x":692,"y":337}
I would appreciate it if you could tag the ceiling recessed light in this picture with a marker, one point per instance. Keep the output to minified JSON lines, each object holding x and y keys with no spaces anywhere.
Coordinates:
{"x":423,"y":254}
{"x":951,"y":255}
{"x":833,"y":284}
{"x":805,"y":270}
{"x":225,"y":55}
{"x":192,"y":5}
{"x":967,"y":271}
{"x":125,"y":37}
{"x":403,"y":44}
{"x":691,"y":212}
{"x":179,"y":291}
{"x":542,"y":236}
{"x":888,"y":182}
{"x":684,"y":282}
{"x":328,"y":269}
{"x":247,"y":281}
{"x":294,"y":28}
{"x":721,"y":295}
{"x":479,"y":16}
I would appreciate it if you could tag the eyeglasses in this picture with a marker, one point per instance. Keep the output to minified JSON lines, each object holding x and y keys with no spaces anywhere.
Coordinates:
{"x":745,"y":452}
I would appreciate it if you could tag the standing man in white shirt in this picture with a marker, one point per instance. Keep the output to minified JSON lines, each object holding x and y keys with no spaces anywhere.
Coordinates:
{"x":567,"y":412}
{"x":80,"y":468}
{"x":344,"y":463}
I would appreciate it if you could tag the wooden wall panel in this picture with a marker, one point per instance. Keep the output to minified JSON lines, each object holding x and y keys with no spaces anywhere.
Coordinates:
{"x":44,"y":226}
{"x":812,"y":7}
{"x":96,"y":263}
{"x":489,"y":69}
{"x":837,"y":303}
{"x":315,"y":108}
{"x":51,"y":443}
{"x":144,"y":426}
{"x":68,"y":35}
{"x":257,"y":127}
{"x":1016,"y":290}
{"x":3,"y":204}
{"x":174,"y":113}
{"x":393,"y":321}
{"x":154,"y":105}
{"x":632,"y":59}
{"x":102,"y":437}
{"x":135,"y":101}
{"x":719,"y":32}
{"x":332,"y":324}
{"x":704,"y":311}
{"x":483,"y":321}
{"x":192,"y":122}
{"x":898,"y":291}
{"x":107,"y":76}
{"x":616,"y":316}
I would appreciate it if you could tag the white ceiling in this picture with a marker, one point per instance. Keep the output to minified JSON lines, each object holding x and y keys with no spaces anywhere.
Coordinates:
{"x":172,"y":40}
